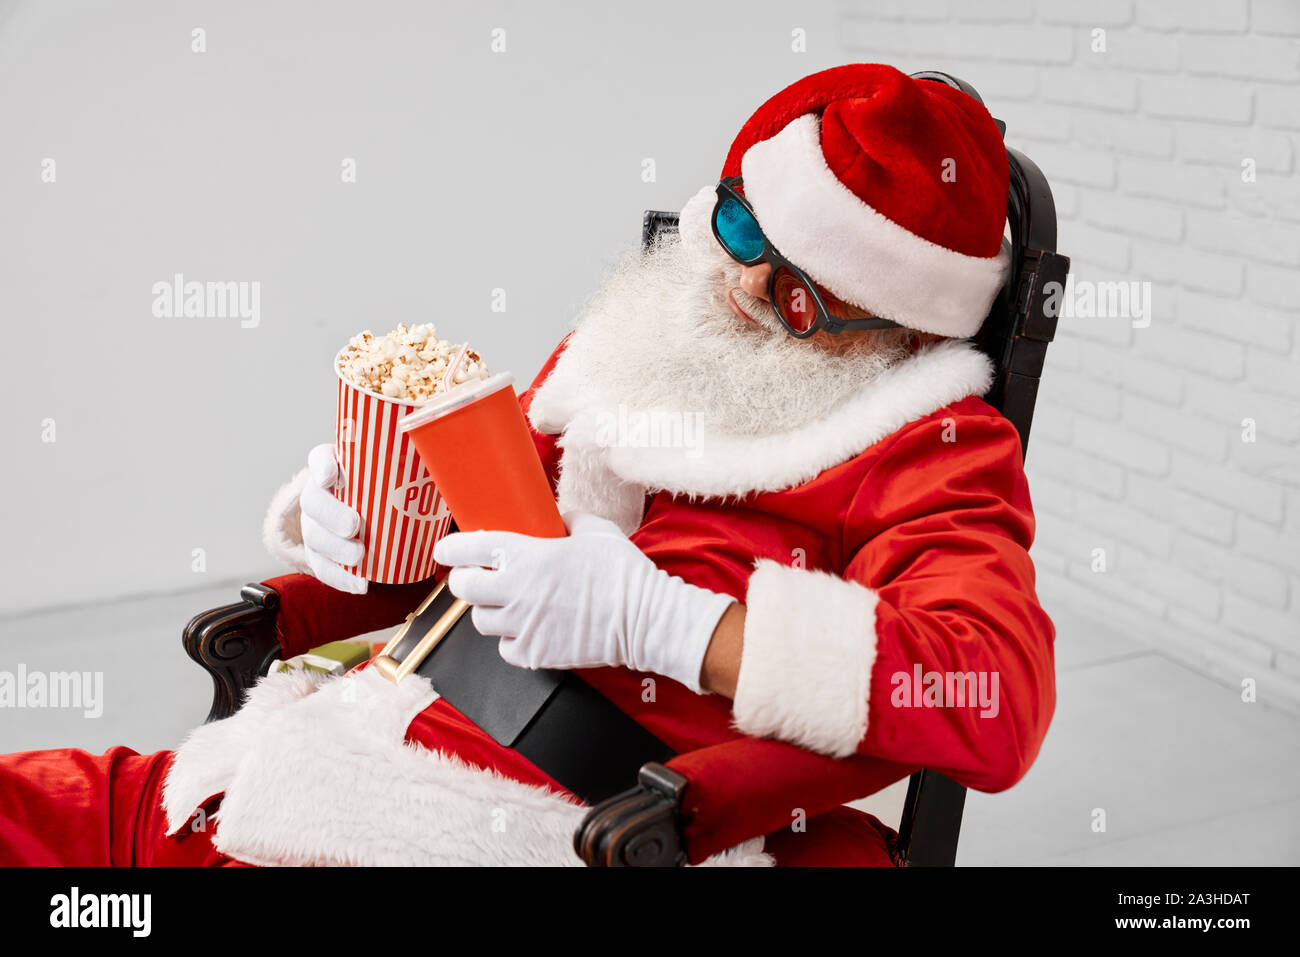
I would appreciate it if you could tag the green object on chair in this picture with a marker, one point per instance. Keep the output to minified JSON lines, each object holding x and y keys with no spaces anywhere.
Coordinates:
{"x":335,"y":658}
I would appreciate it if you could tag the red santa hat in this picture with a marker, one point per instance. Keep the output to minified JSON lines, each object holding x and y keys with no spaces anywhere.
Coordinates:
{"x":890,"y":192}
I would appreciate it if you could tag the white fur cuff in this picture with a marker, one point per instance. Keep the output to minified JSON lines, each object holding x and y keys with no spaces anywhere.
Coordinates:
{"x":282,"y":527}
{"x":805,"y":671}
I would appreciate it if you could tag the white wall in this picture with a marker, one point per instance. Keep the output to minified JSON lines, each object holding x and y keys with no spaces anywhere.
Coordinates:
{"x":523,"y":170}
{"x":1137,"y":445}
{"x":476,"y":170}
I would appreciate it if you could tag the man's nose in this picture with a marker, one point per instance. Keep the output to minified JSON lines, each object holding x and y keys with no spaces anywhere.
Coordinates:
{"x":753,"y":279}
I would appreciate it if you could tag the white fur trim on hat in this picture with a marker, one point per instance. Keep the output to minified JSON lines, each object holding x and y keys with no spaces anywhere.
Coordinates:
{"x":805,"y":667}
{"x":855,"y":251}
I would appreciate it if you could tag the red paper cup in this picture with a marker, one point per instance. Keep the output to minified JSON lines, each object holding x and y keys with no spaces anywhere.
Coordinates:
{"x":402,"y":514}
{"x":478,"y":449}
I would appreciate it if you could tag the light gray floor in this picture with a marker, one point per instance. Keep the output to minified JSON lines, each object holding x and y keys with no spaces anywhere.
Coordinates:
{"x":153,"y":693}
{"x":1185,"y":772}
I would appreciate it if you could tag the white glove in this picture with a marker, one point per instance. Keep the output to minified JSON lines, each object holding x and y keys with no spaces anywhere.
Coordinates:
{"x":330,"y":530}
{"x":584,"y":601}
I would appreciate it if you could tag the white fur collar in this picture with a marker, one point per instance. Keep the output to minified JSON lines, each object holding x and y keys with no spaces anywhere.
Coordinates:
{"x":317,"y":772}
{"x":612,"y":479}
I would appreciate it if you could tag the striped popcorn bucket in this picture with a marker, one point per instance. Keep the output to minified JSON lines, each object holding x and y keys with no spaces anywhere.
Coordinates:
{"x":382,"y":478}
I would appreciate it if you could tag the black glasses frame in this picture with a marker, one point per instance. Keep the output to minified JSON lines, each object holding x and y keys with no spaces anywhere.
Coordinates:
{"x":770,"y":255}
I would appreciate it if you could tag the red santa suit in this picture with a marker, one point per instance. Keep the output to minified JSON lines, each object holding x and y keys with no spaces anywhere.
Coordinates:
{"x":875,"y":546}
{"x":912,"y":552}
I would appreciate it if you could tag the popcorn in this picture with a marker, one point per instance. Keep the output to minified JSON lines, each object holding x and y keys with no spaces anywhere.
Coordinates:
{"x":408,"y":364}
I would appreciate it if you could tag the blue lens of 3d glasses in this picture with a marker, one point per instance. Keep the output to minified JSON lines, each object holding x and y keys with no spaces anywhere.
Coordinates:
{"x":738,"y":231}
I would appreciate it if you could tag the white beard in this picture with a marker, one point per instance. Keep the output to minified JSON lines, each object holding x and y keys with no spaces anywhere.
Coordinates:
{"x":673,"y":343}
{"x":662,"y":387}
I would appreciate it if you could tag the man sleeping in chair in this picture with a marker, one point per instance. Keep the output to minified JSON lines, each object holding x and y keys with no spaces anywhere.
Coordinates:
{"x":849,"y":517}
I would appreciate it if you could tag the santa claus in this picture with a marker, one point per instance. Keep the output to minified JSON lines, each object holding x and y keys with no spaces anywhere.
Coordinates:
{"x":783,"y":492}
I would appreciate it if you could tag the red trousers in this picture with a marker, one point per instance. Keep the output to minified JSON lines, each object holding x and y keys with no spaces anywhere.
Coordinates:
{"x":69,"y":807}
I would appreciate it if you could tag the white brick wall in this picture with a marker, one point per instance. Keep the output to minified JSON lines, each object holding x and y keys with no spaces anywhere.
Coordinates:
{"x":1138,"y":441}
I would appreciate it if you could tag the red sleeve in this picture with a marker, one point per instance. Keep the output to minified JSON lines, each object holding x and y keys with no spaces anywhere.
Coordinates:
{"x":938,"y":585}
{"x":547,"y":449}
{"x":943,"y":538}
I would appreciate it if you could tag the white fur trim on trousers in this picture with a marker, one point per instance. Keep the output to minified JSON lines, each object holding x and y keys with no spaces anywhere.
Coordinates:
{"x":317,"y":772}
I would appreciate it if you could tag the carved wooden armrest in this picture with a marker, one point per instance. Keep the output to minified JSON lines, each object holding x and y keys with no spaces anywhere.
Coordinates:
{"x":638,"y":828}
{"x":235,"y":644}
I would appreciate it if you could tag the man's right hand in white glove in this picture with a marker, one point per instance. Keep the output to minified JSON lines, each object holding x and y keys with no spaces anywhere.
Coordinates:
{"x":311,"y":530}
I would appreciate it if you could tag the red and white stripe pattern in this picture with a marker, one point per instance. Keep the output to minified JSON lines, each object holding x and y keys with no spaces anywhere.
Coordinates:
{"x":402,"y":514}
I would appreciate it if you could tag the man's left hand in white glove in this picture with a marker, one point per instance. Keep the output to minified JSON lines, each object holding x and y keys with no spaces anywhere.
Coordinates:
{"x":588,"y":600}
